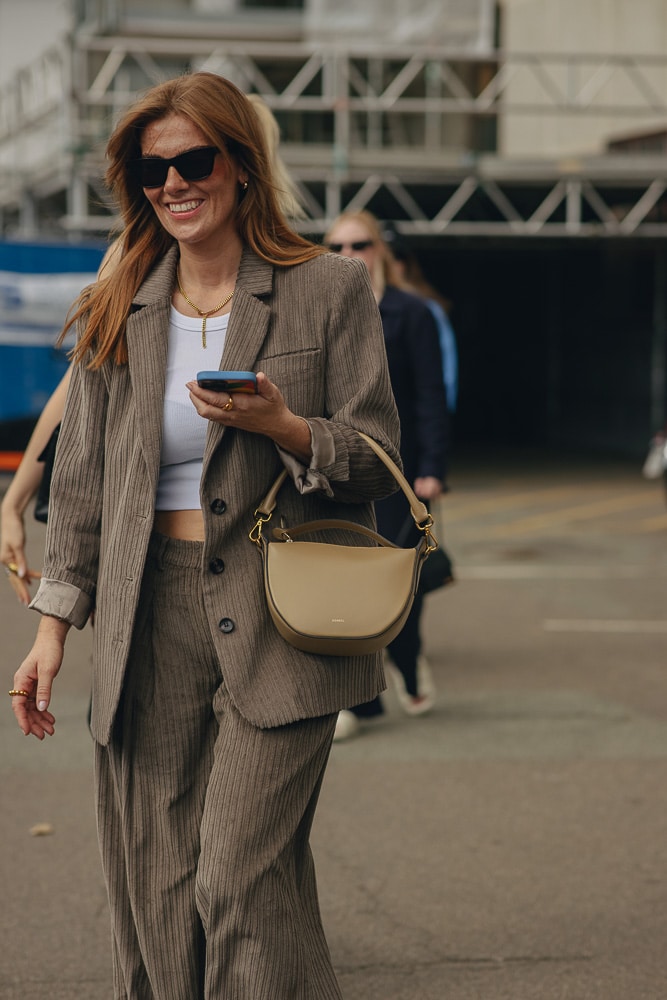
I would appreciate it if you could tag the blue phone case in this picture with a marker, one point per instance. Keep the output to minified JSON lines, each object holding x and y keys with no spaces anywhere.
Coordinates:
{"x":228,"y":381}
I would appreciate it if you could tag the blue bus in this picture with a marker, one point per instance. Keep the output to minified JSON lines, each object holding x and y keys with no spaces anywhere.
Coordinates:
{"x":38,"y":284}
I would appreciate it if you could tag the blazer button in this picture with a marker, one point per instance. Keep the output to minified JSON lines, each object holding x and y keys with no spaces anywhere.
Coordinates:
{"x":216,"y":566}
{"x":226,"y":625}
{"x":218,"y":506}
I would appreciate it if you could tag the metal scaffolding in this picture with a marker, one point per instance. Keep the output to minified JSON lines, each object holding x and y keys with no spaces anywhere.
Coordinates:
{"x":407,"y":131}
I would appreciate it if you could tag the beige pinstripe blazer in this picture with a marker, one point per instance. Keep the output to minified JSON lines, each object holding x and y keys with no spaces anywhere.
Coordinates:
{"x":315,"y":330}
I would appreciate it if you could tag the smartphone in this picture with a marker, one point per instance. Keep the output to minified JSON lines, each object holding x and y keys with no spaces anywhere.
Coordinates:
{"x":228,"y":381}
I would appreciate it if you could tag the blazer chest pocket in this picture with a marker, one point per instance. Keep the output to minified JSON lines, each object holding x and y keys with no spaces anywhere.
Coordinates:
{"x":299,"y":378}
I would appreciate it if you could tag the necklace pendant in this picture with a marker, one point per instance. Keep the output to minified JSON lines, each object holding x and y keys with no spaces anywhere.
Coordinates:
{"x":201,"y":312}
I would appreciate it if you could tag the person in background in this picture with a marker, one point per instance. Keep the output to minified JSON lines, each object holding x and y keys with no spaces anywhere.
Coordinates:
{"x":412,"y":278}
{"x":22,"y":489}
{"x":26,"y":480}
{"x":415,"y":368}
{"x":211,"y":733}
{"x":289,"y":197}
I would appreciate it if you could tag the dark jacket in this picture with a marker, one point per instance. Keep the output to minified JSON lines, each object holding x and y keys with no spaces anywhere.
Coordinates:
{"x":415,"y":369}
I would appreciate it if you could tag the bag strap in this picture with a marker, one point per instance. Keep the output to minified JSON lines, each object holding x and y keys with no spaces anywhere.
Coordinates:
{"x":288,"y":534}
{"x":419,"y":511}
{"x":268,"y":504}
{"x":404,"y":533}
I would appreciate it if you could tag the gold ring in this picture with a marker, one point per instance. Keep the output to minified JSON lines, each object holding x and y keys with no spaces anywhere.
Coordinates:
{"x":229,"y":405}
{"x":18,"y":691}
{"x":11,"y":569}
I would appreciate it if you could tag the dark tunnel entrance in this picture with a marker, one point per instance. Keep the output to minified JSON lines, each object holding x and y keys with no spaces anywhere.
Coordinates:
{"x":561,"y":342}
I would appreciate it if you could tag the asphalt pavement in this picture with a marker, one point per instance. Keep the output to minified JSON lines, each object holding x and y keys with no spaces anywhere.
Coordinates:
{"x":512,"y":845}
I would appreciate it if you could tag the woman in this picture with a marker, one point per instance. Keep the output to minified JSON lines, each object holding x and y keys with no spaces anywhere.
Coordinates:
{"x":27,"y":478}
{"x":211,"y":733}
{"x":415,"y":368}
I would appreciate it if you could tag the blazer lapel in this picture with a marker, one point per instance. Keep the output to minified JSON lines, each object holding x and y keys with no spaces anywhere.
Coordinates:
{"x":147,"y":344}
{"x":248,"y":326}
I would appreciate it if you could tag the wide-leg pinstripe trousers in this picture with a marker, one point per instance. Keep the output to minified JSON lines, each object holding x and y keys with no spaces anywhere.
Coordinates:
{"x":204,"y":820}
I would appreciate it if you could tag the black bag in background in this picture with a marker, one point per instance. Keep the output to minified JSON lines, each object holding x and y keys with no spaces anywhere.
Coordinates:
{"x":437,"y":570}
{"x":47,"y":456}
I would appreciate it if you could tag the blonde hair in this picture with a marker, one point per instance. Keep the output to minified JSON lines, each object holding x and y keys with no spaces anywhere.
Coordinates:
{"x":230,"y":122}
{"x":383,"y":271}
{"x":287,"y":193}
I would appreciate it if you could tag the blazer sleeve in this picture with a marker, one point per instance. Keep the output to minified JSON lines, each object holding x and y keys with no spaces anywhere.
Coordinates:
{"x":67,"y":587}
{"x":358,"y":397}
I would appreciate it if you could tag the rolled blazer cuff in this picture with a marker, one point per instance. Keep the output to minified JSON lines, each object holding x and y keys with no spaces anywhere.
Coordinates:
{"x":326,"y":459}
{"x":62,"y":600}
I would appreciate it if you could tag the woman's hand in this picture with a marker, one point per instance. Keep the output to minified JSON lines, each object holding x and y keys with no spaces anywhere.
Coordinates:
{"x":264,"y":412}
{"x":427,"y":487}
{"x":35,"y":678}
{"x":12,"y":553}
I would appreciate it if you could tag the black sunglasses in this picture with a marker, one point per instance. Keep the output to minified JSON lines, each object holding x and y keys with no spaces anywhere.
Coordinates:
{"x":193,"y":165}
{"x":357,"y":246}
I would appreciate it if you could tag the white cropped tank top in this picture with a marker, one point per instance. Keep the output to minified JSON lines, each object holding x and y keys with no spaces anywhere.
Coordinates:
{"x":183,"y":430}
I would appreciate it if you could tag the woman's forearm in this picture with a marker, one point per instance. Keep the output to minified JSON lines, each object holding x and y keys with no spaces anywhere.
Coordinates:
{"x":294,"y":437}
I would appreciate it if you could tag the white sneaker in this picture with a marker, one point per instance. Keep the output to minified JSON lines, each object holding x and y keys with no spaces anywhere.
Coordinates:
{"x":347,"y":726}
{"x":423,"y":702}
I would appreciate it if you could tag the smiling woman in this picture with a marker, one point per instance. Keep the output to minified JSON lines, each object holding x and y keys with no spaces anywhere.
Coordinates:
{"x":194,"y":194}
{"x":211,"y":734}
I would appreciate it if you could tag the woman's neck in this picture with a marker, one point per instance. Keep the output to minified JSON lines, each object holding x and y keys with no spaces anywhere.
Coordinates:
{"x":205,"y":271}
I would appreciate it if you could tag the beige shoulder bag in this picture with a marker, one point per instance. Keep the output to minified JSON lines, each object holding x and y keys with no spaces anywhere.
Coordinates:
{"x":340,"y":600}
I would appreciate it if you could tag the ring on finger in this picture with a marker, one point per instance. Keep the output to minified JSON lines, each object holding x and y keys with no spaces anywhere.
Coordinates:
{"x":229,"y":405}
{"x":19,"y":692}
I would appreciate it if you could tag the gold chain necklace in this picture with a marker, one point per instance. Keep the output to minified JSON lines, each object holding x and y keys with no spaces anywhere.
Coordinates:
{"x":204,"y":313}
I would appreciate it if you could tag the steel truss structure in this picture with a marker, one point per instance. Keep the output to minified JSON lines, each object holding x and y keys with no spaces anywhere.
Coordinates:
{"x":362,"y":126}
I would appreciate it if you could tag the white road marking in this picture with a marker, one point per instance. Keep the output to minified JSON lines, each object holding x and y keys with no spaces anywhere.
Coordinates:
{"x":625,"y":625}
{"x":544,"y":572}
